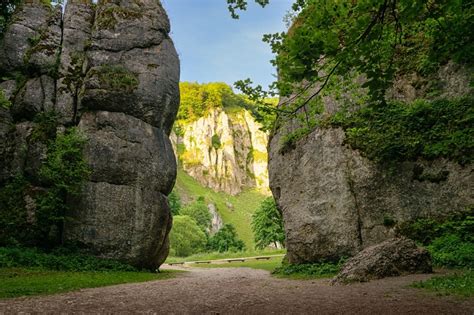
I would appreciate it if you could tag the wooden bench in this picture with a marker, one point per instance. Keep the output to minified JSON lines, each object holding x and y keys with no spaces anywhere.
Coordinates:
{"x":237,"y":259}
{"x":202,"y":262}
{"x":262,"y":258}
{"x":176,"y":263}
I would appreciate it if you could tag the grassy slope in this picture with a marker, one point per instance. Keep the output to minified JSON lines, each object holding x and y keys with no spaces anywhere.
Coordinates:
{"x":244,"y":204}
{"x":15,"y":282}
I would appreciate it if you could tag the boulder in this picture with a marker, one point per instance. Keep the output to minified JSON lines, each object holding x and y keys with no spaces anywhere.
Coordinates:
{"x":336,"y":202}
{"x":110,"y":70}
{"x":393,"y":257}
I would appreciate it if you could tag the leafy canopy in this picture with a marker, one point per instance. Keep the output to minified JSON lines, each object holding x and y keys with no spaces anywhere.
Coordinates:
{"x":379,"y":38}
{"x":186,"y":237}
{"x":199,"y":212}
{"x":267,"y":224}
{"x":225,"y":240}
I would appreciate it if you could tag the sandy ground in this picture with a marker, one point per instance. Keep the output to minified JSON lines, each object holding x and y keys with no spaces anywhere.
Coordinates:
{"x":246,"y":291}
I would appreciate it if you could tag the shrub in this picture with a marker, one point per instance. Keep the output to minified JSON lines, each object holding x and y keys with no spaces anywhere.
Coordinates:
{"x":451,"y":251}
{"x":199,"y":212}
{"x":174,"y":202}
{"x":450,"y":242}
{"x":13,"y":217}
{"x":425,"y":231}
{"x":315,"y":269}
{"x":60,"y":259}
{"x":225,"y":240}
{"x":267,"y":224}
{"x":395,"y":131}
{"x":186,"y":237}
{"x":61,"y":175}
{"x":45,"y":127}
{"x":216,"y":142}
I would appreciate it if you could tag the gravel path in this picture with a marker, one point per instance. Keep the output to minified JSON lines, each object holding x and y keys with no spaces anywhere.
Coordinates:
{"x":247,"y":291}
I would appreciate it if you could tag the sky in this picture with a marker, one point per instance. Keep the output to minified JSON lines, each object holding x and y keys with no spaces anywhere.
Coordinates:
{"x":214,"y":47}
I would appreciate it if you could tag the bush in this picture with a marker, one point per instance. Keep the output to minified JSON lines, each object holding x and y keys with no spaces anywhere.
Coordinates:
{"x":451,"y":251}
{"x":186,"y":237}
{"x":450,"y":242}
{"x":60,"y":259}
{"x":316,"y":269}
{"x":199,"y":212}
{"x":61,"y":175}
{"x":174,"y":202}
{"x":225,"y":240}
{"x":14,"y":224}
{"x":396,"y":131}
{"x":267,"y":224}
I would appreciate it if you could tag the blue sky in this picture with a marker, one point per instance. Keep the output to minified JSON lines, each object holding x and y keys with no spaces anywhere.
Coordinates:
{"x":214,"y":47}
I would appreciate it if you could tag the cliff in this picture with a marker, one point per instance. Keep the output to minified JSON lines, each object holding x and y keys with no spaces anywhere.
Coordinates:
{"x":109,"y":73}
{"x":224,"y":150}
{"x":336,"y":200}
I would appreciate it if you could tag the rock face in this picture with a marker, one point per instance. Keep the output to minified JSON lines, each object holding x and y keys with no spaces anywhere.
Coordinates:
{"x":390,"y":258}
{"x":335,"y":202}
{"x":224,"y":151}
{"x":216,"y":220}
{"x":116,"y":79}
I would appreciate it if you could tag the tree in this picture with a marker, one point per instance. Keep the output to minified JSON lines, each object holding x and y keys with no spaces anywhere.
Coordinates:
{"x":174,"y":202}
{"x":199,"y":212}
{"x":186,"y":237}
{"x":267,"y":224}
{"x":225,"y":240}
{"x":380,"y":39}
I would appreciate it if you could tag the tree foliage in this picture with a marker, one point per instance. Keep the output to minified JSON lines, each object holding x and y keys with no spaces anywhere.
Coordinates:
{"x":174,"y":202}
{"x":396,"y":132}
{"x":225,"y":240}
{"x":378,"y":38}
{"x":199,"y":212}
{"x":61,"y":177}
{"x":197,"y":100}
{"x":267,"y":224}
{"x":186,"y":237}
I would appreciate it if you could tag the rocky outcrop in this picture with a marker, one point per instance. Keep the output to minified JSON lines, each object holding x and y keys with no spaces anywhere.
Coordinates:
{"x":335,"y":201}
{"x":224,"y":151}
{"x":111,"y":70}
{"x":393,"y":257}
{"x":216,"y":220}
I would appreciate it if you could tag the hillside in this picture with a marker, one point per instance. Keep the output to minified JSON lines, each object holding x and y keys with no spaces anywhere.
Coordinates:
{"x":218,"y":140}
{"x":236,"y":210}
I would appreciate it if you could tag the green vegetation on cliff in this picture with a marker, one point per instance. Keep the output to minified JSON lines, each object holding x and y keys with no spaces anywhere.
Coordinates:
{"x":397,"y":131}
{"x":198,"y":99}
{"x":236,"y":210}
{"x":60,"y":175}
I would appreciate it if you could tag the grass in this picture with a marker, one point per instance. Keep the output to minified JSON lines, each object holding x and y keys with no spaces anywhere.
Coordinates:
{"x":460,"y":283}
{"x":244,"y":204}
{"x":268,"y":265}
{"x":280,"y":270}
{"x":225,"y":255}
{"x":16,"y":282}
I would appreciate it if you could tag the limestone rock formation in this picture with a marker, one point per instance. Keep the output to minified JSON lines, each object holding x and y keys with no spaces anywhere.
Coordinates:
{"x":335,"y":201}
{"x":111,"y":70}
{"x":393,"y":257}
{"x":224,"y":151}
{"x":216,"y":220}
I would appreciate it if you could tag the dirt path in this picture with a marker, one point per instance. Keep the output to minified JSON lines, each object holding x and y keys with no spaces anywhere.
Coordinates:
{"x":248,"y":291}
